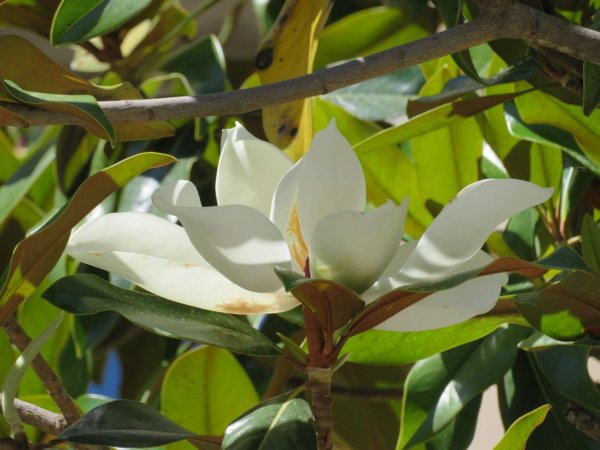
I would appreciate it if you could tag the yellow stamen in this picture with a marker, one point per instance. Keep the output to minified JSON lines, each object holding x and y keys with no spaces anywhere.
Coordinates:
{"x":298,"y":248}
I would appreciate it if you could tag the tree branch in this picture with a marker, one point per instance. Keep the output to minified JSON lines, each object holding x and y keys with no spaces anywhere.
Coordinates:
{"x":498,"y":19}
{"x":42,"y":419}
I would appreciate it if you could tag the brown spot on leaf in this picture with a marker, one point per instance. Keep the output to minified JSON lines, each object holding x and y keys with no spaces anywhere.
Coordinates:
{"x":264,"y":58}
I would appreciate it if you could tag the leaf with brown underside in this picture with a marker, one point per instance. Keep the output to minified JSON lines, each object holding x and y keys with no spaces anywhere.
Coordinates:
{"x":35,"y":256}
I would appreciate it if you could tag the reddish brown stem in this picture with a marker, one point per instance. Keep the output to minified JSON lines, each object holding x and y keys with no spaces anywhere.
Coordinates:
{"x":319,"y":388}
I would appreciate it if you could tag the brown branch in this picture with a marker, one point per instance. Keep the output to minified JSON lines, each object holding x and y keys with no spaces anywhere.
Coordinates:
{"x":499,"y":19}
{"x":41,"y":418}
{"x":55,"y":388}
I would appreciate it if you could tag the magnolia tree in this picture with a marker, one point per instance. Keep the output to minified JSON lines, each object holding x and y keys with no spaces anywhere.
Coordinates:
{"x":340,"y":241}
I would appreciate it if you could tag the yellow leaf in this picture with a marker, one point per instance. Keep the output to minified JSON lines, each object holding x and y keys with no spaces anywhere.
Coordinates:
{"x":288,"y":51}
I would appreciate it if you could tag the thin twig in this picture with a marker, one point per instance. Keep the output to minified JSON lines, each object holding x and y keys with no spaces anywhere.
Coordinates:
{"x":506,"y":19}
{"x":55,"y":387}
{"x":44,"y":420}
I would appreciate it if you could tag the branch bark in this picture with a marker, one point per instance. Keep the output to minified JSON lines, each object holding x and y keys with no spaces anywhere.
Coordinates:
{"x":504,"y":19}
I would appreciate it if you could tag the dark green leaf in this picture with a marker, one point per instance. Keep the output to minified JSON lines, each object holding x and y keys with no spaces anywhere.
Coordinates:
{"x":78,"y":21}
{"x":590,"y":243}
{"x":566,"y":310}
{"x":566,"y":368}
{"x":591,"y":79}
{"x":283,"y":422}
{"x":439,"y":387}
{"x":124,"y":423}
{"x":89,"y":294}
{"x":459,"y":433}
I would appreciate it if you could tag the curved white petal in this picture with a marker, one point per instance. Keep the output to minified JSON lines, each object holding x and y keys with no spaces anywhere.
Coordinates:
{"x":354,"y":248}
{"x":238,"y":241}
{"x":326,"y":180}
{"x":462,"y":227}
{"x":162,"y":260}
{"x":249,"y":170}
{"x":450,"y":306}
{"x":331,"y":180}
{"x":397,"y":280}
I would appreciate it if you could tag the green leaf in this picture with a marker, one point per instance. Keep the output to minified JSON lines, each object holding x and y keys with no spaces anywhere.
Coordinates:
{"x":125,"y":423}
{"x":379,"y":98}
{"x":566,"y":368}
{"x":459,"y":433}
{"x":85,"y":107}
{"x":451,"y":11}
{"x":567,"y":310}
{"x":89,"y":294}
{"x":16,"y":373}
{"x":439,"y":387}
{"x":333,"y":304}
{"x":591,"y":79}
{"x":590,"y":243}
{"x":382,"y":347}
{"x":35,"y":256}
{"x":517,"y":435}
{"x":15,"y":189}
{"x":380,"y":28}
{"x":78,"y":21}
{"x":283,"y":422}
{"x":204,"y":390}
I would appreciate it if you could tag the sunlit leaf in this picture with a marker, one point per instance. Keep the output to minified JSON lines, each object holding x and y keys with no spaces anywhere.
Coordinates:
{"x":209,"y":400}
{"x":288,"y":51}
{"x":517,"y":435}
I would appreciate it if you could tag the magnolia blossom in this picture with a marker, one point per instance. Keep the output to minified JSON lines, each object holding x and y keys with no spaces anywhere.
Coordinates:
{"x":310,"y":217}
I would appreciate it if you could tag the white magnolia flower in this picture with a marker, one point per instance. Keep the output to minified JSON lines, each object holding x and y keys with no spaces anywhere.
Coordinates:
{"x":308,"y":216}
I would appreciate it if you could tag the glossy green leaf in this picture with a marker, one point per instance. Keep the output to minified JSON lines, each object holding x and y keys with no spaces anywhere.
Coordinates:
{"x":74,"y":150}
{"x":460,"y":431}
{"x":379,"y":98}
{"x":125,"y":423}
{"x":84,"y":107}
{"x":517,"y":435}
{"x":451,"y":11}
{"x":566,"y":368}
{"x":204,"y":390}
{"x":439,"y":387}
{"x":538,"y":108}
{"x":35,"y":256}
{"x":78,"y":21}
{"x":397,"y":348}
{"x":333,"y":304}
{"x":566,"y":310}
{"x":574,"y":184}
{"x":15,"y":189}
{"x":89,"y":294}
{"x":282,"y":422}
{"x":590,"y":243}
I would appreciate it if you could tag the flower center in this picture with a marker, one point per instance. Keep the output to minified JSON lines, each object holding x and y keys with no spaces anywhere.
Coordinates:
{"x":298,"y":247}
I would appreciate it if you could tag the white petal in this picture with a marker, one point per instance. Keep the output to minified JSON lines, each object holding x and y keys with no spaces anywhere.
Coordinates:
{"x":354,"y":248}
{"x":386,"y":284}
{"x":450,"y":306}
{"x":249,"y":170}
{"x":238,"y":241}
{"x":331,"y":180}
{"x":327,"y":179}
{"x":463,"y":226}
{"x":162,"y":260}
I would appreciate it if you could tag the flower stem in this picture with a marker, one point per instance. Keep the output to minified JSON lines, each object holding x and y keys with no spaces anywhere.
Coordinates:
{"x":319,"y":387}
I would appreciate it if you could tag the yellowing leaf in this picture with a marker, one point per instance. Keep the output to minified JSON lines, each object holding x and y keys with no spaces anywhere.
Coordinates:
{"x":288,"y":51}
